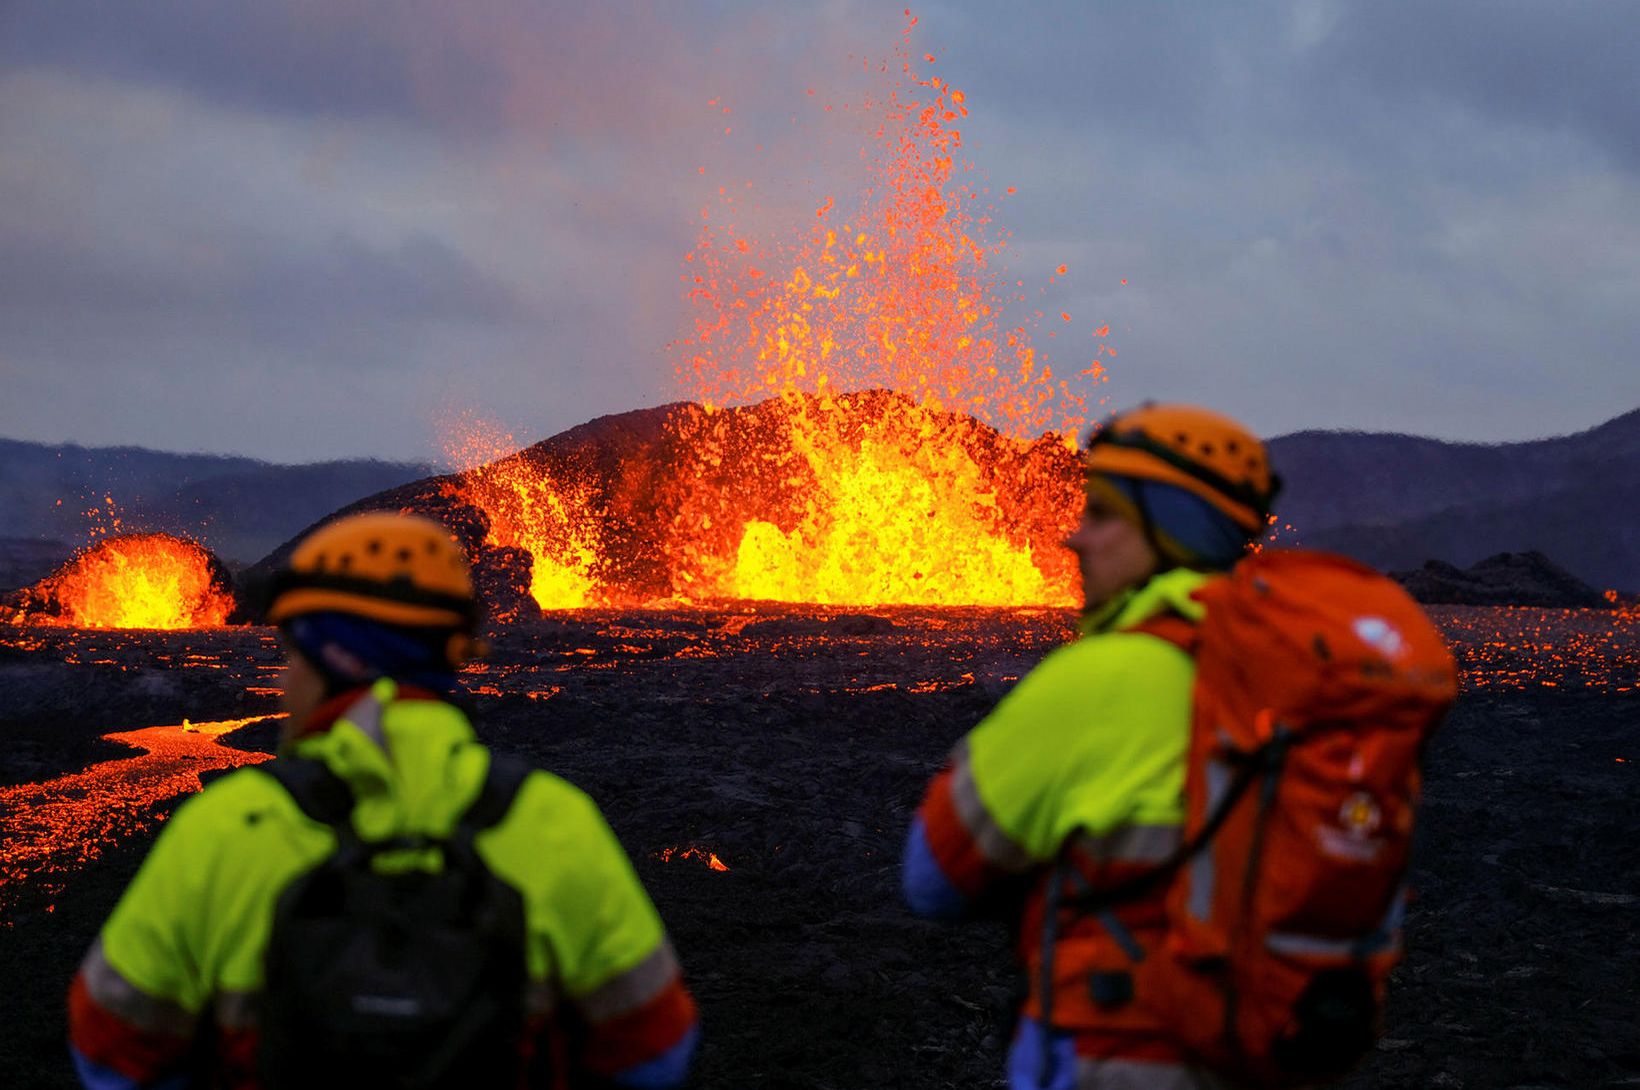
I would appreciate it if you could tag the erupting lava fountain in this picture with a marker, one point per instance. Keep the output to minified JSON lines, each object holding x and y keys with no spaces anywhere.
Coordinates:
{"x":926,"y":489}
{"x":133,"y":581}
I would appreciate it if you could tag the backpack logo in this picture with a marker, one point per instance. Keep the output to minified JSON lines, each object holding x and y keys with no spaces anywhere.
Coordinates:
{"x":1354,"y":839}
{"x":1381,"y":636}
{"x":1360,"y":815}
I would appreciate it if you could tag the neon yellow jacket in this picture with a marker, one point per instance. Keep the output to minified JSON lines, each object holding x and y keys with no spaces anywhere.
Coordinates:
{"x":185,"y":944}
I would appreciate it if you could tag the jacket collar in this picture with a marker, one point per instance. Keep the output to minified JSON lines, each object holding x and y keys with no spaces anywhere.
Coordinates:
{"x":1171,"y":591}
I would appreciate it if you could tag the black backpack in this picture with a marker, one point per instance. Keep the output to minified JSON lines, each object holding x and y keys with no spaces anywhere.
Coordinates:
{"x":412,"y":979}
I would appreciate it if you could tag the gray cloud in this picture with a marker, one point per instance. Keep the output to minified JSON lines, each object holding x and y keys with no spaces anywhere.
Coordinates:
{"x":1383,"y":215}
{"x":1548,"y":66}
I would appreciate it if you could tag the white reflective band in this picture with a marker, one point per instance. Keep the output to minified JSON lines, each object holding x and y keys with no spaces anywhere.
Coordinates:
{"x":1130,"y":844}
{"x":1287,"y":942}
{"x":235,"y":1010}
{"x":633,"y":988}
{"x":119,"y":997}
{"x":366,"y":714}
{"x":1204,"y":868}
{"x":1115,"y":1074}
{"x":996,"y":845}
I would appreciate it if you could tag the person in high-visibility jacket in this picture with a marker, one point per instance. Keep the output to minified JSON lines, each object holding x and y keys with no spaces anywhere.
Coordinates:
{"x":1086,"y":755}
{"x":376,"y":613}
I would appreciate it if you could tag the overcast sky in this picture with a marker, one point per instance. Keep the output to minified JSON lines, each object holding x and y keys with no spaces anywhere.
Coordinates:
{"x":305,"y":229}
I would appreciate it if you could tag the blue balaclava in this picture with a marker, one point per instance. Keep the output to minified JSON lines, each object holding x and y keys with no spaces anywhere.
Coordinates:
{"x":351,"y":651}
{"x":1185,"y":529}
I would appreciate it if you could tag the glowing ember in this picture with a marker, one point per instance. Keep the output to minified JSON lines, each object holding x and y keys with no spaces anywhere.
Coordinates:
{"x":135,"y":581}
{"x":902,"y":295}
{"x":1524,"y":647}
{"x":667,"y":855}
{"x":921,"y":490}
{"x":56,"y":827}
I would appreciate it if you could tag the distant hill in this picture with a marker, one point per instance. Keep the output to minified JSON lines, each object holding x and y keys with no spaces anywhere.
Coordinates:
{"x":1396,"y":501}
{"x":239,"y":507}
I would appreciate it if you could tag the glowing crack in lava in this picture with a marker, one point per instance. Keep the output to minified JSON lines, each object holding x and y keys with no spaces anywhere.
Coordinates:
{"x":53,"y":828}
{"x":135,"y":581}
{"x":873,"y":348}
{"x":701,"y":855}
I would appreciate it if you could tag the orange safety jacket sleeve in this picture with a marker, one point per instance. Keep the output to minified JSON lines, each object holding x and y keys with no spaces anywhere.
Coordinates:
{"x":121,"y":1038}
{"x":958,"y":861}
{"x":609,"y":975}
{"x":641,"y":1026}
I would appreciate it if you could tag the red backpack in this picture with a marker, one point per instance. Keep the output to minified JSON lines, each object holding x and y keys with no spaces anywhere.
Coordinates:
{"x":1318,"y":683}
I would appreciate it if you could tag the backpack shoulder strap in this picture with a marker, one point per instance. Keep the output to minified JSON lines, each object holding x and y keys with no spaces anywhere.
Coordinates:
{"x":320,"y":793}
{"x":501,"y":786}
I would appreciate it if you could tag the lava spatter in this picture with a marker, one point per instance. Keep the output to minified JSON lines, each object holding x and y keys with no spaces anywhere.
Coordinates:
{"x":134,"y":581}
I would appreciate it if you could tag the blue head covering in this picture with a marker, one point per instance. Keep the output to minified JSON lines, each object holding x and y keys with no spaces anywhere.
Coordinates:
{"x":1186,"y":529}
{"x":351,"y":650}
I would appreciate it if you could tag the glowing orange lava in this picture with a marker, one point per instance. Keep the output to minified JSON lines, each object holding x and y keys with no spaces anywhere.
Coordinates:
{"x":550,"y":517}
{"x":134,"y":581}
{"x":666,"y":855}
{"x":904,"y":442}
{"x":56,"y":827}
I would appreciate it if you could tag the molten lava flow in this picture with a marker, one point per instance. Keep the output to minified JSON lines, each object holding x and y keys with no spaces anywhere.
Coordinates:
{"x":137,"y":581}
{"x":56,"y":827}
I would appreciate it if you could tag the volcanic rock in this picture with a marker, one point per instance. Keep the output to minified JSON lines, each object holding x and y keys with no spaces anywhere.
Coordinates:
{"x":1507,"y":579}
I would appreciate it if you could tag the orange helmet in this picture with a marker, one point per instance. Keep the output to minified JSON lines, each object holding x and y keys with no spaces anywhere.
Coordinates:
{"x":1202,"y":452}
{"x":395,"y":568}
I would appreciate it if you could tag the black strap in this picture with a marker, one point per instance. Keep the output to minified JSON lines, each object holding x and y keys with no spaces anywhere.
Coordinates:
{"x":326,"y":798}
{"x":320,"y":793}
{"x":1266,"y":759}
{"x":502,"y":783}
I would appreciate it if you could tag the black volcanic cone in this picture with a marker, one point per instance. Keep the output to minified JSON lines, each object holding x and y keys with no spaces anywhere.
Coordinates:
{"x":681,"y":472}
{"x":1507,"y":579}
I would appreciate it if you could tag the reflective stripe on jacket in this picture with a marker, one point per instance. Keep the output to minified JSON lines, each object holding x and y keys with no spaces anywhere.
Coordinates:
{"x":1087,"y":752}
{"x":185,"y":944}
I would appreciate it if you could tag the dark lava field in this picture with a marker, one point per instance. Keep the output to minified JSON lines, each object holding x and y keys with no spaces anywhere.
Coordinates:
{"x":793,"y":743}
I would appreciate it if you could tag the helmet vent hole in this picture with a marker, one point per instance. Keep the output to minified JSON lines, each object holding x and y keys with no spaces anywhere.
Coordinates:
{"x":1232,"y":446}
{"x":432,"y":548}
{"x":404,"y":555}
{"x":1182,"y":439}
{"x":374,"y":547}
{"x":320,"y":561}
{"x":1207,"y":449}
{"x":345,"y":561}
